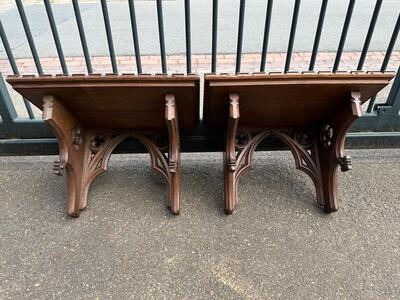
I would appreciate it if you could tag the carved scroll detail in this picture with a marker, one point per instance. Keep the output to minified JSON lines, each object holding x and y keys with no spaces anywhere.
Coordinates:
{"x":76,"y":137}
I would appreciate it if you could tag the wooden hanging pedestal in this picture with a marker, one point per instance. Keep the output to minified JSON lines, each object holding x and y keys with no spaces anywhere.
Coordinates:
{"x":92,"y":115}
{"x":84,"y":153}
{"x":310,"y":113}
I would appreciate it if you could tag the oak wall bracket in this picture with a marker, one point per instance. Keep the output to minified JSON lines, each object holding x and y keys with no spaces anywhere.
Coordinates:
{"x":85,"y":153}
{"x":310,"y":113}
{"x":317,"y":153}
{"x":92,"y":114}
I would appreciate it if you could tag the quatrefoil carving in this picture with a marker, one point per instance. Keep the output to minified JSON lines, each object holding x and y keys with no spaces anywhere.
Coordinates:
{"x":242,"y":139}
{"x":303,"y":138}
{"x":97,"y":142}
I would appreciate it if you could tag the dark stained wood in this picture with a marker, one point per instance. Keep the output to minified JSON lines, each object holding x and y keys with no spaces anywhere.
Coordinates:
{"x":133,"y":101}
{"x":91,"y":115}
{"x":284,"y":100}
{"x":311,"y":113}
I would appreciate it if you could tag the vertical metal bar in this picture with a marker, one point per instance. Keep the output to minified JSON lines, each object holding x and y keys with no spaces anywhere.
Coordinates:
{"x":161,"y":36}
{"x":29,"y":37}
{"x":394,"y":91}
{"x":371,"y":104}
{"x":14,"y":67}
{"x":386,"y":59}
{"x":7,"y":48}
{"x":56,"y":38}
{"x":135,"y":36}
{"x":391,"y":45}
{"x":188,"y":38}
{"x":214,"y":36}
{"x":292,"y":34}
{"x":266,"y":35}
{"x":109,"y":36}
{"x":369,"y":34}
{"x":7,"y":109}
{"x":240,"y":35}
{"x":318,"y":34}
{"x":395,"y":102}
{"x":82,"y":36}
{"x":344,"y":35}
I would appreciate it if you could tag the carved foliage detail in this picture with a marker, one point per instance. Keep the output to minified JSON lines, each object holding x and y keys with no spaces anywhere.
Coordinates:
{"x":326,"y":135}
{"x":76,"y":137}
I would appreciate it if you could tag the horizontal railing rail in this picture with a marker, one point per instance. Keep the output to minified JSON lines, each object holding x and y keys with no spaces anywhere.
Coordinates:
{"x":379,"y":126}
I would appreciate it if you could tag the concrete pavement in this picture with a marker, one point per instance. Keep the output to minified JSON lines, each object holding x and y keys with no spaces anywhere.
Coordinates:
{"x":126,"y":245}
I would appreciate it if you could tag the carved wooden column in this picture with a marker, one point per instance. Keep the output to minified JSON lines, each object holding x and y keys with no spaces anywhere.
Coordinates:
{"x":85,"y":153}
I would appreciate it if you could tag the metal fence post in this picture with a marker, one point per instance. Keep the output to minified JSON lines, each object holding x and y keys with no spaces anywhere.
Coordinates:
{"x":7,"y":110}
{"x":392,"y":105}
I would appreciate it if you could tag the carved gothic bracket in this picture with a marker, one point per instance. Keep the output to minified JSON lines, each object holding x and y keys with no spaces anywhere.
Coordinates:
{"x":315,"y":153}
{"x":85,"y":153}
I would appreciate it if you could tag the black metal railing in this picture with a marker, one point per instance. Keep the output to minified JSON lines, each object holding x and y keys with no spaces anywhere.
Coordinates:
{"x":82,"y":36}
{"x":382,"y":118}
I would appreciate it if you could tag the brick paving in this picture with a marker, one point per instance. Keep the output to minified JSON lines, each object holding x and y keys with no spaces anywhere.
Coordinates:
{"x":201,"y":63}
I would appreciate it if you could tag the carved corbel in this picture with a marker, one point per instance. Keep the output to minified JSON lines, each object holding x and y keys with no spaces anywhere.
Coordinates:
{"x":331,"y":151}
{"x":70,"y":135}
{"x":317,"y":155}
{"x":356,"y":112}
{"x":353,"y":114}
{"x":171,"y":118}
{"x":231,"y":132}
{"x":84,"y":153}
{"x":230,"y":162}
